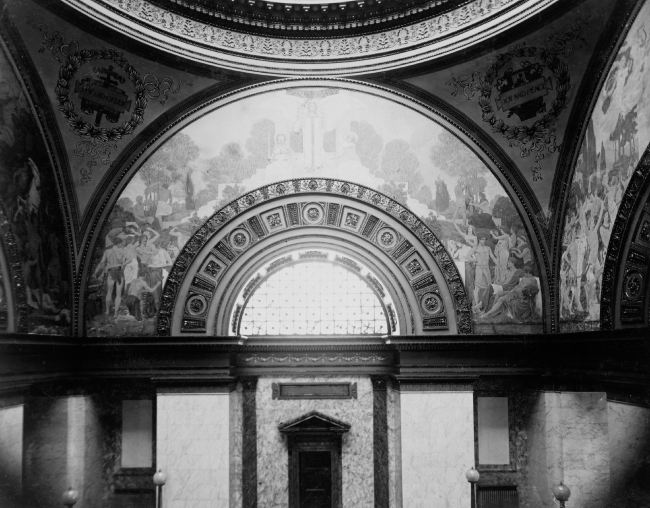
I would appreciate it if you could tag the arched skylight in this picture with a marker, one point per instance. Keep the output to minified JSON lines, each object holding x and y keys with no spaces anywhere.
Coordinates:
{"x":308,"y":295}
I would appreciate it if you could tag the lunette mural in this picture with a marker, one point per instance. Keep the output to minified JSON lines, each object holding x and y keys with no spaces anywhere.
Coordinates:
{"x":302,"y":132}
{"x":28,"y":195}
{"x":618,"y":131}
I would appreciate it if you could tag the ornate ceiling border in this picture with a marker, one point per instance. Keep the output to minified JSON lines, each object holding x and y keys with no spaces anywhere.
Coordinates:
{"x":438,"y":35}
{"x":227,"y":216}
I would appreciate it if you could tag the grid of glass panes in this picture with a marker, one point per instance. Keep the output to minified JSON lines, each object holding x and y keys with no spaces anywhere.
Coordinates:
{"x":314,"y":298}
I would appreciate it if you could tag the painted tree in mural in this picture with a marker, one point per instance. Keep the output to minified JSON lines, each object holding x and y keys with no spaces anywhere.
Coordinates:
{"x":369,"y":144}
{"x":231,"y":165}
{"x":400,"y":164}
{"x":395,"y":190}
{"x":170,"y":163}
{"x":454,"y":158}
{"x":441,"y":202}
{"x":260,"y":143}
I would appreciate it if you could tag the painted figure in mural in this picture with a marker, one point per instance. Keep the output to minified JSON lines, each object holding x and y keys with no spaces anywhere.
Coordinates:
{"x":159,"y":265}
{"x":131,"y":262}
{"x":470,"y":237}
{"x":281,"y":151}
{"x":463,"y":255}
{"x":164,"y":205}
{"x":518,"y":303}
{"x":522,"y":251}
{"x":461,"y":204}
{"x":513,"y":275}
{"x":136,"y":300}
{"x":181,"y":237}
{"x":111,"y":267}
{"x":311,"y":123}
{"x":139,"y":212}
{"x":145,"y":248}
{"x":483,"y":277}
{"x":502,"y":253}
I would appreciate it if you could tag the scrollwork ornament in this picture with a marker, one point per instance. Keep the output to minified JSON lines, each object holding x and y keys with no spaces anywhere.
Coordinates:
{"x":97,"y":143}
{"x":540,"y":137}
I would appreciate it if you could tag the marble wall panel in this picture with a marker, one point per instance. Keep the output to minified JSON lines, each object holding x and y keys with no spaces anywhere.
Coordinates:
{"x":569,"y":442}
{"x":357,"y":444}
{"x":62,"y":444}
{"x":437,"y":448}
{"x":629,"y":452}
{"x":192,"y":447}
{"x":11,"y":454}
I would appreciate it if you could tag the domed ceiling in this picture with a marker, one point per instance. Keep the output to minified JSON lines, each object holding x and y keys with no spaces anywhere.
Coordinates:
{"x":545,"y":102}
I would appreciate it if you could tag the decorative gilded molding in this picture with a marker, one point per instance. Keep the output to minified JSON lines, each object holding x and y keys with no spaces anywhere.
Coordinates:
{"x":439,"y":34}
{"x":258,"y":358}
{"x":226,"y":217}
{"x":627,"y":232}
{"x":17,"y":282}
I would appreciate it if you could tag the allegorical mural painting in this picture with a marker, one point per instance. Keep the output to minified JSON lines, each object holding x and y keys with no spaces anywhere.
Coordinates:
{"x":619,"y":130}
{"x":324,"y":132}
{"x":28,"y":195}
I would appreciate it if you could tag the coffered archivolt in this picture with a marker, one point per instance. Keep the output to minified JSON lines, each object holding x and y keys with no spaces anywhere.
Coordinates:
{"x":357,"y":144}
{"x":291,"y":54}
{"x":313,"y":218}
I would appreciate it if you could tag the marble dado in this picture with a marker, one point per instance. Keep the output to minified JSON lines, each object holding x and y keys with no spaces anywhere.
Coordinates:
{"x":568,"y":441}
{"x":437,"y":445}
{"x":193,"y":448}
{"x":357,"y":444}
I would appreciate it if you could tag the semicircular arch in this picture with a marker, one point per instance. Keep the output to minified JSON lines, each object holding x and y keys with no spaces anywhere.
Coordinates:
{"x":272,"y":220}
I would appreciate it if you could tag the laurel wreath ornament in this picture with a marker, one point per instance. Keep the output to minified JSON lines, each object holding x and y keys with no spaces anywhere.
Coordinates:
{"x":98,"y":142}
{"x":540,"y":137}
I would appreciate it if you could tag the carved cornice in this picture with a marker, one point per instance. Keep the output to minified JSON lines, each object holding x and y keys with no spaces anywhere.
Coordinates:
{"x":442,"y":33}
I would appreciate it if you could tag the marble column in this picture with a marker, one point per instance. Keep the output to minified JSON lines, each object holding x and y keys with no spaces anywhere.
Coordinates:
{"x":437,"y":430}
{"x":62,"y":448}
{"x":249,"y":443}
{"x":568,"y":441}
{"x":11,"y":451}
{"x":380,"y":440}
{"x":193,"y":447}
{"x":629,"y":445}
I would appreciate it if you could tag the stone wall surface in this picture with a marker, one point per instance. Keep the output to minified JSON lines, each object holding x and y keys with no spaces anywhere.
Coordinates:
{"x":62,"y":448}
{"x":193,"y":446}
{"x":11,"y":453}
{"x":568,"y":441}
{"x":437,"y":448}
{"x":629,"y":453}
{"x":357,"y":444}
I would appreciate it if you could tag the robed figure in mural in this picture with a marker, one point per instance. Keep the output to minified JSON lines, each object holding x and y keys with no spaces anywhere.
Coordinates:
{"x":311,"y":124}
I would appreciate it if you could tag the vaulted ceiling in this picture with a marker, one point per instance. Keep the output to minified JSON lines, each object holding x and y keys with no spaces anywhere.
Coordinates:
{"x":551,"y":97}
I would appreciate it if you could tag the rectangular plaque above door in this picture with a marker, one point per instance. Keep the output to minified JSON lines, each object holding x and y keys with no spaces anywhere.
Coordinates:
{"x":288,"y":391}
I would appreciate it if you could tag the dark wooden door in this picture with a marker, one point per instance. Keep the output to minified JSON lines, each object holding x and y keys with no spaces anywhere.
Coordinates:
{"x":315,"y":479}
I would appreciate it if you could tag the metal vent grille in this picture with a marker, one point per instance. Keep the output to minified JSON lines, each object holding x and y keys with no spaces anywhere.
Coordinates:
{"x":497,"y":497}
